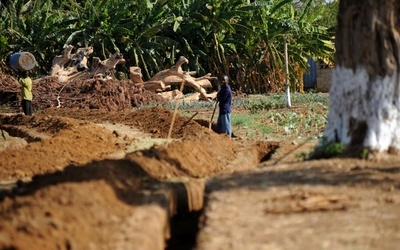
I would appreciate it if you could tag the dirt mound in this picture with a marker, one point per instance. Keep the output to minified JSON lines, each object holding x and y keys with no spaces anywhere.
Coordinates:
{"x":156,"y":120}
{"x":40,"y":122}
{"x":205,"y":155}
{"x":78,"y":199}
{"x":70,"y":142}
{"x":61,"y":141}
{"x":103,"y":205}
{"x":110,"y":94}
{"x":8,"y":83}
{"x":197,"y":157}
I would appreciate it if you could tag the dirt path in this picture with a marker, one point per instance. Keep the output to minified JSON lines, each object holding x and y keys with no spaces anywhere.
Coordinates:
{"x":330,"y":204}
{"x":92,"y":179}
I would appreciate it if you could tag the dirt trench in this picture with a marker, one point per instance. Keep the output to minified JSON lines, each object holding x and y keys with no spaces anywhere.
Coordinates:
{"x":92,"y":179}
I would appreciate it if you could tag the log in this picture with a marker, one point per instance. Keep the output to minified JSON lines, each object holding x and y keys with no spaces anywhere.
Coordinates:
{"x":109,"y":64}
{"x":156,"y":86}
{"x":79,"y":62}
{"x":64,"y":58}
{"x":204,"y":83}
{"x":59,"y":61}
{"x":135,"y":74}
{"x":172,"y":95}
{"x":81,"y":57}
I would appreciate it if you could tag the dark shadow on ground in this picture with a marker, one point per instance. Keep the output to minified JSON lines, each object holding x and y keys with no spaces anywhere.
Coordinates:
{"x":314,"y":174}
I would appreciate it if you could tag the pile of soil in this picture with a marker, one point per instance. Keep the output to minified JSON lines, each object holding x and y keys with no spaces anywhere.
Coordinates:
{"x":109,"y":94}
{"x":102,"y":205}
{"x":64,"y":189}
{"x":156,"y":120}
{"x":65,"y":141}
{"x":62,"y":137}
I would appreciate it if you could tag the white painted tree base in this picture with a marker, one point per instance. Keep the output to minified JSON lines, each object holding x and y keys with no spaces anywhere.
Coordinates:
{"x":376,"y":101}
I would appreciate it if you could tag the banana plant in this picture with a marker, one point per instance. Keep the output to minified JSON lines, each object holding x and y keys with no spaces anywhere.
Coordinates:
{"x":29,"y":27}
{"x":237,"y":37}
{"x":281,"y":20}
{"x":209,"y":33}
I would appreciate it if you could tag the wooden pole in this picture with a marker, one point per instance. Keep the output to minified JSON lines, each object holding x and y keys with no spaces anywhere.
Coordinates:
{"x":212,"y":116}
{"x":174,"y":115}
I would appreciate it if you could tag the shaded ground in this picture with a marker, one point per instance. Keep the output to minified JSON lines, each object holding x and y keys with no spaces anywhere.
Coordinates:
{"x":91,"y":179}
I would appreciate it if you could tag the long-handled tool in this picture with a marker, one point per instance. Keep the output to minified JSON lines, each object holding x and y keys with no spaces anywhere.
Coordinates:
{"x":212,"y":117}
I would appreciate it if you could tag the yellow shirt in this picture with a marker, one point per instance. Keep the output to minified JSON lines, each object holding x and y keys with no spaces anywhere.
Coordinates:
{"x":26,"y":88}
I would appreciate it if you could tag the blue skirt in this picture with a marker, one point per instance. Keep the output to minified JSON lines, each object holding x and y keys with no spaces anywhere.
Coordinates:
{"x":224,"y":124}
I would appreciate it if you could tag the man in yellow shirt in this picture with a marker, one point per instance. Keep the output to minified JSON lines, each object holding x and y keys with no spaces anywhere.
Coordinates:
{"x":26,"y":92}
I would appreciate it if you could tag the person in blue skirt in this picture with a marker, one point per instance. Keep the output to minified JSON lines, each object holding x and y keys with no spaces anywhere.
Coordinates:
{"x":224,"y":98}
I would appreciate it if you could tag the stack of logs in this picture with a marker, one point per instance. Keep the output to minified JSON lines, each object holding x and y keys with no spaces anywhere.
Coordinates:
{"x":160,"y":83}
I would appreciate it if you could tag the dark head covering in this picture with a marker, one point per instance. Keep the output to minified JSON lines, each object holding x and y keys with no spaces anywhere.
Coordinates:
{"x":24,"y":74}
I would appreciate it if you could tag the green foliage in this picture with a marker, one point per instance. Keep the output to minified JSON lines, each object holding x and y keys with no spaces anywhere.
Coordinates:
{"x":365,"y":153}
{"x":232,"y":37}
{"x":279,"y":20}
{"x":32,"y":26}
{"x":255,"y":106}
{"x":253,"y":124}
{"x":268,"y":114}
{"x":243,"y":120}
{"x":328,"y":11}
{"x":259,"y":103}
{"x":327,"y":150}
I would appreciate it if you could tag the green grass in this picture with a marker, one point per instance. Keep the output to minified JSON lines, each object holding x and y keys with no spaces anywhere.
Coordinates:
{"x":269,"y":116}
{"x":327,"y":150}
{"x":257,"y":103}
{"x":243,"y":120}
{"x":253,"y":124}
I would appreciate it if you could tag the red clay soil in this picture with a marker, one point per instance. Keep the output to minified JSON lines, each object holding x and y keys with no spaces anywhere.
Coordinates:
{"x":64,"y":185}
{"x":156,"y":120}
{"x":64,"y":190}
{"x":69,"y":142}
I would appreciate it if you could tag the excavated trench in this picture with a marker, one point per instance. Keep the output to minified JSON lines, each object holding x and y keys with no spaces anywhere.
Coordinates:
{"x":173,"y":170}
{"x":186,"y":223}
{"x":184,"y":230}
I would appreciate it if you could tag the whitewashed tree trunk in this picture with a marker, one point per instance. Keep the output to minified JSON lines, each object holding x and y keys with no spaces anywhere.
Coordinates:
{"x":364,"y":109}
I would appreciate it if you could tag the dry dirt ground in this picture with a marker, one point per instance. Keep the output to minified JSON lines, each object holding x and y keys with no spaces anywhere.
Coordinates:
{"x":93,"y":179}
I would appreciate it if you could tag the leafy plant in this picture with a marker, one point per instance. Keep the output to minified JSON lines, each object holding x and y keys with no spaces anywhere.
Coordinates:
{"x":269,"y":114}
{"x":327,"y":150}
{"x":259,"y":103}
{"x":365,"y":153}
{"x":236,"y":37}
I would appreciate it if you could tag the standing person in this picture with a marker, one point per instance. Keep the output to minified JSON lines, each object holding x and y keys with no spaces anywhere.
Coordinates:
{"x":26,"y":92}
{"x":224,"y":98}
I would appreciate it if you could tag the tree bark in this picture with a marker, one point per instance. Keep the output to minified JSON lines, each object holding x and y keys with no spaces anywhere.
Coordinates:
{"x":364,"y":109}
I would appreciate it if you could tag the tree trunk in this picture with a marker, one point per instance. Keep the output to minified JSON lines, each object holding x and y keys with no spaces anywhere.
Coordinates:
{"x":364,"y":110}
